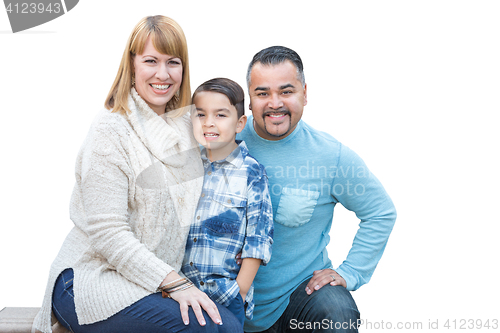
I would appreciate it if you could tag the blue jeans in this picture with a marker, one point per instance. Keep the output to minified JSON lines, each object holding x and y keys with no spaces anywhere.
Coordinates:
{"x":152,"y":314}
{"x":330,"y":309}
{"x":237,"y":308}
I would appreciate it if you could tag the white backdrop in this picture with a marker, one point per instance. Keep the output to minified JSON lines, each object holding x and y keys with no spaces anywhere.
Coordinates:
{"x":411,"y":86}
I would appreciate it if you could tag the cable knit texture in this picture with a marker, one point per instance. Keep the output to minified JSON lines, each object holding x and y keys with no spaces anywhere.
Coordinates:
{"x":138,"y":180}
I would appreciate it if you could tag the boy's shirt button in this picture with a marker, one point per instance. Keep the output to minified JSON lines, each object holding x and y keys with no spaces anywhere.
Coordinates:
{"x":195,"y":239}
{"x":202,"y":283}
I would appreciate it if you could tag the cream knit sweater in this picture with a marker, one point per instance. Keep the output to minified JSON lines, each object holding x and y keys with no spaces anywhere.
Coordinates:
{"x":138,"y":180}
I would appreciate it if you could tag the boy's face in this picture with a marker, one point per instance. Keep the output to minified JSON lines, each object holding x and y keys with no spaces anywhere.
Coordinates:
{"x":215,"y":124}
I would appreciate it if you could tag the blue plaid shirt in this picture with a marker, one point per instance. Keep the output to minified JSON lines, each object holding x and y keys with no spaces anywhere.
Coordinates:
{"x":234,"y":215}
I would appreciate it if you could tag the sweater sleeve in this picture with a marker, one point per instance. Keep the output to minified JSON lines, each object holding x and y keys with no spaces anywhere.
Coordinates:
{"x":361,"y":192}
{"x":104,"y":210}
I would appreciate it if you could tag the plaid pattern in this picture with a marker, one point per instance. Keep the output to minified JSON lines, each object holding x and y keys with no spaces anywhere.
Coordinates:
{"x":234,"y":215}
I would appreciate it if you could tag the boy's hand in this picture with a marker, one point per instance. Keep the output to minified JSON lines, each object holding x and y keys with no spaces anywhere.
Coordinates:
{"x":238,"y":259}
{"x":243,"y":296}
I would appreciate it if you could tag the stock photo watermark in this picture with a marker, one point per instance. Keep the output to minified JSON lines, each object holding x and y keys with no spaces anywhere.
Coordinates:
{"x":326,"y":174}
{"x":430,"y":324}
{"x":25,"y":15}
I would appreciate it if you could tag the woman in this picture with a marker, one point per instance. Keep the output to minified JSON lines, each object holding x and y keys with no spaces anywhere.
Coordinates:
{"x":138,"y":180}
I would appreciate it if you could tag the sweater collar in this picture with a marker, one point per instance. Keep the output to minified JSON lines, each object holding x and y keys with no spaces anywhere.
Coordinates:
{"x":158,"y":133}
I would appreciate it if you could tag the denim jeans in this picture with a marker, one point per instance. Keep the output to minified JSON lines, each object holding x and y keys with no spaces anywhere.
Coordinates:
{"x":237,"y":308}
{"x":152,"y":314}
{"x":330,"y":309}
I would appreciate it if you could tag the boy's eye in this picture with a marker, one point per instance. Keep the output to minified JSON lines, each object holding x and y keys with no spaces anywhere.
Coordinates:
{"x":220,"y":115}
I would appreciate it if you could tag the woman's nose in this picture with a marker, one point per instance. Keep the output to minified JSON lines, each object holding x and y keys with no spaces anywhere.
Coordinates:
{"x":162,"y":73}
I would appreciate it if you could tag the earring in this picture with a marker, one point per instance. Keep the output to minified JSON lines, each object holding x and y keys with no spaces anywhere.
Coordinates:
{"x":133,"y":81}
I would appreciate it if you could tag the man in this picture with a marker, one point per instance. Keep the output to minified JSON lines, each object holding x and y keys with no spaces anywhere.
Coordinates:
{"x":309,"y":173}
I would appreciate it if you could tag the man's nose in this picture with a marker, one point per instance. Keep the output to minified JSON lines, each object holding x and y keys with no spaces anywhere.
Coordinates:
{"x":275,"y":102}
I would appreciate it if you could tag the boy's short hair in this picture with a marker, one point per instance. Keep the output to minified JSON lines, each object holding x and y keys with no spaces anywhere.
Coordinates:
{"x":228,"y":88}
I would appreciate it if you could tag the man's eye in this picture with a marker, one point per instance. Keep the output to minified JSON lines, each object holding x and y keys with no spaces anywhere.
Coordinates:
{"x":286,"y":92}
{"x":263,"y":94}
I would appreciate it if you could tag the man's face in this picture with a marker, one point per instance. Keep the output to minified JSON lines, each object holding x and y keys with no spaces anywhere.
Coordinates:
{"x":277,"y":99}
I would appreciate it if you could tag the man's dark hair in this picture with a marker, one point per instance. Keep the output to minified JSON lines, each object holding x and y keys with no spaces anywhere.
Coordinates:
{"x":227,"y":87}
{"x":276,"y":55}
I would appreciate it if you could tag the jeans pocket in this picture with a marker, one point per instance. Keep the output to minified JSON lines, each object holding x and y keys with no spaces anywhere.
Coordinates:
{"x":67,"y":277}
{"x":296,"y":207}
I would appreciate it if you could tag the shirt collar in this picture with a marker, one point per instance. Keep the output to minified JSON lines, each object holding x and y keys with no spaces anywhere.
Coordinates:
{"x":235,"y":158}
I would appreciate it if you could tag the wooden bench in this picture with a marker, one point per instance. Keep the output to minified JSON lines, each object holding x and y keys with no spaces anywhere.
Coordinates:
{"x":20,"y":320}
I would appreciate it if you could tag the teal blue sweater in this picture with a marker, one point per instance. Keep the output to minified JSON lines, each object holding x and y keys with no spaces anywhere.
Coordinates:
{"x":309,"y":173}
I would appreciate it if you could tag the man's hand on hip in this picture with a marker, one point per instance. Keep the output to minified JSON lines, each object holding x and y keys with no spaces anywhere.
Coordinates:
{"x":323,"y":277}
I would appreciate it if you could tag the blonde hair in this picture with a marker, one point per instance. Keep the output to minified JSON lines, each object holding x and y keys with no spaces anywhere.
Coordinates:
{"x":167,"y":38}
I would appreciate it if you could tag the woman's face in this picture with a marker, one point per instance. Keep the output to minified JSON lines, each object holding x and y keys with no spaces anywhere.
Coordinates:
{"x":157,"y":77}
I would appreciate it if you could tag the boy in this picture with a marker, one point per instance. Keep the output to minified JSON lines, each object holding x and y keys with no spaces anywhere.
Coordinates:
{"x":234,"y":214}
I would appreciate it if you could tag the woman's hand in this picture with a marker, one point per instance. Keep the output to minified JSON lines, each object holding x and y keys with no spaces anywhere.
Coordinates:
{"x":196,"y":299}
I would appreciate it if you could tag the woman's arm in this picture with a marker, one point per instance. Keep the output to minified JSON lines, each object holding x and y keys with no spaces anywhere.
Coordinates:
{"x":100,"y":207}
{"x":104,"y":199}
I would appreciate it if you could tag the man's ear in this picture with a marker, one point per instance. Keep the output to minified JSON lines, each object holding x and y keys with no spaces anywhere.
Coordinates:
{"x":241,"y":123}
{"x":305,"y":94}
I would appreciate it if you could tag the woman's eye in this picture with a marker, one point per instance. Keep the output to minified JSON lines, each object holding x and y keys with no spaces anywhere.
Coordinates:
{"x":151,"y":61}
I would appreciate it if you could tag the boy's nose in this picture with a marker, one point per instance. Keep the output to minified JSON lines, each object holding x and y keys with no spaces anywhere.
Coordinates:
{"x":209,"y":121}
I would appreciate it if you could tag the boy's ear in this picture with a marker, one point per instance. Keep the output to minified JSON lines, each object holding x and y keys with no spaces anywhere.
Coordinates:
{"x":240,"y":125}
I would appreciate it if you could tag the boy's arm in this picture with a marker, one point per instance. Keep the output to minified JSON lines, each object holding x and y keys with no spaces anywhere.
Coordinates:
{"x":260,"y":230}
{"x":247,"y":273}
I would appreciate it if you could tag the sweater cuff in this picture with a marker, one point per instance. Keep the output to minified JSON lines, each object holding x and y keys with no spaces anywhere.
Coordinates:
{"x":348,"y":277}
{"x":149,"y":273}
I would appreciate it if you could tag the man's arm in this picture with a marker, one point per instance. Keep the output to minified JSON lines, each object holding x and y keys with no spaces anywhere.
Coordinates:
{"x":363,"y":194}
